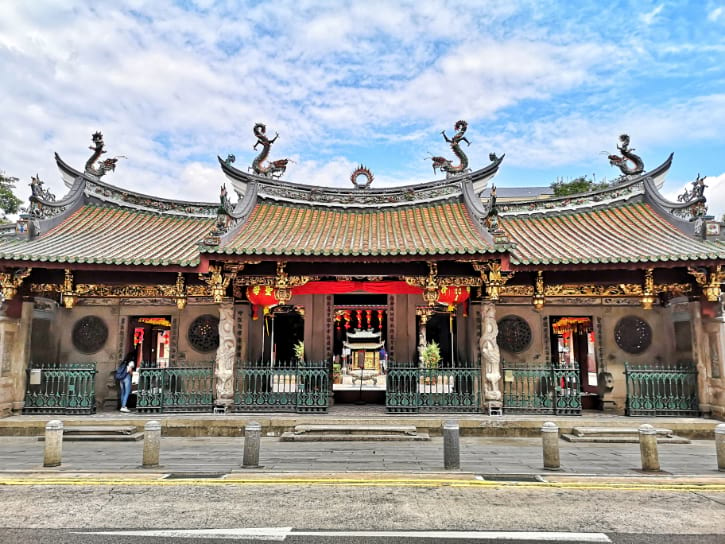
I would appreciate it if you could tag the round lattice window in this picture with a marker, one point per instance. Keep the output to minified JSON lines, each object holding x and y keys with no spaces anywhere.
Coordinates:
{"x":204,"y":333}
{"x":633,"y":334}
{"x":514,"y":334}
{"x":89,"y":334}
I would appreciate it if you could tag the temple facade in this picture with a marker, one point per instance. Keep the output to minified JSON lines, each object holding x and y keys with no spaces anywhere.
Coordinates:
{"x":259,"y":301}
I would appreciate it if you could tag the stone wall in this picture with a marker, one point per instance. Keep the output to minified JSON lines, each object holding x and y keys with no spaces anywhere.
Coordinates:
{"x":610,"y":357}
{"x":116,"y":314}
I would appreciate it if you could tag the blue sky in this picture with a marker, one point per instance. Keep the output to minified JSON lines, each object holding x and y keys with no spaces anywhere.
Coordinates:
{"x":173,"y":84}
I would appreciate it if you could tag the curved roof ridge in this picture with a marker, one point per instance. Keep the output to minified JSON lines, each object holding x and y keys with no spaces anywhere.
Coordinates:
{"x":112,"y":194}
{"x":630,"y":187}
{"x":300,"y":193}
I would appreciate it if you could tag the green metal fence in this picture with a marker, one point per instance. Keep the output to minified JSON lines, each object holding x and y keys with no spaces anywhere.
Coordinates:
{"x":175,"y":389}
{"x":657,"y":390}
{"x":286,"y":387}
{"x":410,"y":389}
{"x":55,"y":388}
{"x":541,"y":389}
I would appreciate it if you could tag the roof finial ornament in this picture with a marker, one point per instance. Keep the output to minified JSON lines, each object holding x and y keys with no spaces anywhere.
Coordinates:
{"x":695,"y":198}
{"x":362,"y":171}
{"x":627,"y":156}
{"x":273,"y":169}
{"x":443,"y":164}
{"x":98,"y":150}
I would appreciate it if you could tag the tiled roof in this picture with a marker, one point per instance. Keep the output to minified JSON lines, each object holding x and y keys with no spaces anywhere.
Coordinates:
{"x":431,"y":229}
{"x":632,"y":233}
{"x":103,"y":235}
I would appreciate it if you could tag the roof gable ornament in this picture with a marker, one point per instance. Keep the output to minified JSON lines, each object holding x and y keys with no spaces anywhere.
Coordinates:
{"x":364,"y":172}
{"x":103,"y":166}
{"x":445,"y":165}
{"x":628,"y":157}
{"x":273,"y":169}
{"x":695,"y":198}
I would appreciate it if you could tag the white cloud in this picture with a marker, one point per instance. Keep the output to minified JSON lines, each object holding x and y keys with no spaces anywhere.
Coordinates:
{"x":715,"y":14}
{"x":649,"y":17}
{"x":172,"y":88}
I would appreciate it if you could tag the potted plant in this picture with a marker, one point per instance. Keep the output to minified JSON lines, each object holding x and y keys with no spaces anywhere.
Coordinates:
{"x":336,"y":373}
{"x":430,"y":357}
{"x":299,"y":350}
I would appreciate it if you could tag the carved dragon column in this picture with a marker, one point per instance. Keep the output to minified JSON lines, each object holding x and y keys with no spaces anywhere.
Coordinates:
{"x":490,"y":355}
{"x":493,"y":277}
{"x":224,"y":363}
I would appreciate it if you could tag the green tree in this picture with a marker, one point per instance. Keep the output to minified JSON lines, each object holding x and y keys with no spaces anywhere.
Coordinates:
{"x":9,"y":203}
{"x":578,"y":185}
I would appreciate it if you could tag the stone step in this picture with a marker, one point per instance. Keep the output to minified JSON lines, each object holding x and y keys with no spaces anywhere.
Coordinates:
{"x":624,"y":439}
{"x":96,"y":433}
{"x":348,"y":433}
{"x":356,"y":429}
{"x":614,"y":431}
{"x":337,"y":437}
{"x":619,"y":435}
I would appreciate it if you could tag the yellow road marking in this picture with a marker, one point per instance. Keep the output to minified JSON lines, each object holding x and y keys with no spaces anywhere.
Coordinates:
{"x":357,"y":482}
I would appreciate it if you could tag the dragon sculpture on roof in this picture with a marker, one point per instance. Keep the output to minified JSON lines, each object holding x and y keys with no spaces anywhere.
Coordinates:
{"x":273,"y":169}
{"x":443,"y":164}
{"x":627,"y":156}
{"x":98,"y":150}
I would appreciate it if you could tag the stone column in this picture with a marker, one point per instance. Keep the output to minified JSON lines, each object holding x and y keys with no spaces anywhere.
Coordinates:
{"x":490,"y":355}
{"x":151,"y":444}
{"x":53,"y":450}
{"x":550,"y":445}
{"x":648,"y":448}
{"x":224,"y":364}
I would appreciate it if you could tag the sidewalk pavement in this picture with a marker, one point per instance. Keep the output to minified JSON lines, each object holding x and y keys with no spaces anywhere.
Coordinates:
{"x":479,"y":455}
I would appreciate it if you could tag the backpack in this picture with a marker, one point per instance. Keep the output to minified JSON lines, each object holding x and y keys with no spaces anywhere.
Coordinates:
{"x":121,"y":371}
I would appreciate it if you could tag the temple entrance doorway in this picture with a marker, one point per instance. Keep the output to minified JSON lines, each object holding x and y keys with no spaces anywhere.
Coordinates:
{"x":574,"y":346}
{"x":149,"y":340}
{"x":360,"y":357}
{"x":441,"y":329}
{"x":284,"y":335}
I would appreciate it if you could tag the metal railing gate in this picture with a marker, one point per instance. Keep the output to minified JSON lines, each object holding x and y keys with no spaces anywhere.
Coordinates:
{"x":658,"y":390}
{"x":55,"y":388}
{"x":541,"y":389}
{"x":410,"y":389}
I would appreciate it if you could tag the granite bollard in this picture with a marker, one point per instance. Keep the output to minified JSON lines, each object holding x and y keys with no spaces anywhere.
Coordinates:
{"x":252,"y":437}
{"x":151,"y":444}
{"x":550,"y":445}
{"x":720,"y":446}
{"x":451,"y":445}
{"x":53,"y":451}
{"x":648,"y":448}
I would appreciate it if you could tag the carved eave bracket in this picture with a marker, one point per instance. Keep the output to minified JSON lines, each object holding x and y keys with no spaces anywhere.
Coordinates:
{"x":493,"y":277}
{"x":710,"y":281}
{"x":539,"y":298}
{"x":219,"y":278}
{"x":430,"y":283}
{"x":10,"y":282}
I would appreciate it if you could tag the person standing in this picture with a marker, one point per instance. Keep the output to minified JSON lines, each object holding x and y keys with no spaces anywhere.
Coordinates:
{"x":124,"y":376}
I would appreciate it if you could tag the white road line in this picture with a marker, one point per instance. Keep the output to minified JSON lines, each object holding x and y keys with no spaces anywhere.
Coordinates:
{"x":281,"y":533}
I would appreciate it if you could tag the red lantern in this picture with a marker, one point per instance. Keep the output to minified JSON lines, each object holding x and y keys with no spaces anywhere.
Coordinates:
{"x":452,"y":295}
{"x":368,"y":318}
{"x":262,"y":295}
{"x":380,"y":319}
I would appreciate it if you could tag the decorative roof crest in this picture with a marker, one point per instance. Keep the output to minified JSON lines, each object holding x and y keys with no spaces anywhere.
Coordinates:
{"x":362,"y":171}
{"x":273,"y":169}
{"x":627,"y":156}
{"x":445,"y":165}
{"x":103,"y":166}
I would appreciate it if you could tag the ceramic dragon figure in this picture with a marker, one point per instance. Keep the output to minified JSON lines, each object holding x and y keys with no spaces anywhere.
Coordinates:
{"x":273,"y":169}
{"x":443,"y":164}
{"x":621,"y":162}
{"x":103,"y":166}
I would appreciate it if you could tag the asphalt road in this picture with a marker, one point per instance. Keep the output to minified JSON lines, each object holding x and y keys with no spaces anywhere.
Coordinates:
{"x":650,"y":515}
{"x":71,"y":536}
